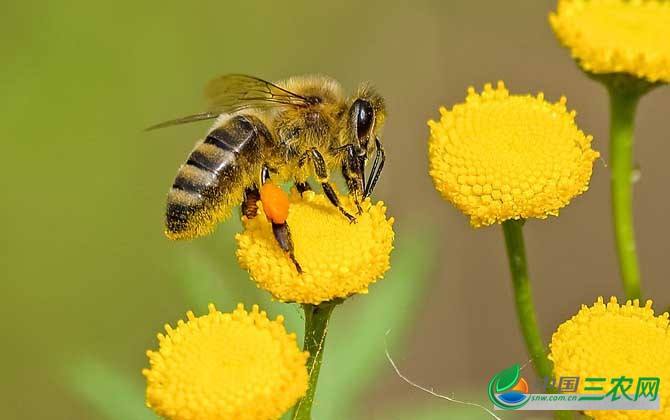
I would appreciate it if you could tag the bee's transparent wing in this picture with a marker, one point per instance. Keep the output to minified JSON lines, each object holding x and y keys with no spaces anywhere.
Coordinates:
{"x":185,"y":120}
{"x":235,"y":92}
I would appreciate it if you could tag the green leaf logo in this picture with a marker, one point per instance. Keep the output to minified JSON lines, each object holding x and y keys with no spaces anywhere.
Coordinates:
{"x":502,"y":382}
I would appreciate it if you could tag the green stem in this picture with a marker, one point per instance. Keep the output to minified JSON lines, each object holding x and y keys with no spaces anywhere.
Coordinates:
{"x":525,"y":309}
{"x":623,"y":104}
{"x":316,"y":328}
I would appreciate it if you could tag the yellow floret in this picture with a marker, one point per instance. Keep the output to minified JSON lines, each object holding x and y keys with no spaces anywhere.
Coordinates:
{"x":610,"y":341}
{"x":220,"y":366}
{"x":499,"y":156}
{"x":338,"y":258}
{"x":617,"y":36}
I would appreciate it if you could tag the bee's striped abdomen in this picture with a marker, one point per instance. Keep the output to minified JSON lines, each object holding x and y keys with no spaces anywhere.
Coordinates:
{"x":212,"y":180}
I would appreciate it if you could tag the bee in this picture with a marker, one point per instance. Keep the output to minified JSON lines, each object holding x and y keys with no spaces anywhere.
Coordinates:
{"x":286,"y":131}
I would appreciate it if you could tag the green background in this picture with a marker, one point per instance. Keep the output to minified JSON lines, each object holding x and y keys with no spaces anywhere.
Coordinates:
{"x":88,"y":279}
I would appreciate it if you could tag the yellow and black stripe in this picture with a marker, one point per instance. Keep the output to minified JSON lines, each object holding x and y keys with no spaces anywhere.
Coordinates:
{"x":213,"y":179}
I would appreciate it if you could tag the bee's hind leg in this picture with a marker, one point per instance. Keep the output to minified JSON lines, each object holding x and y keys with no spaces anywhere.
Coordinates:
{"x":283,"y":236}
{"x":281,"y":231}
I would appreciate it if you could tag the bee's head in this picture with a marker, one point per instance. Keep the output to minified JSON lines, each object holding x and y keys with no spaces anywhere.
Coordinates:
{"x":366,"y":119}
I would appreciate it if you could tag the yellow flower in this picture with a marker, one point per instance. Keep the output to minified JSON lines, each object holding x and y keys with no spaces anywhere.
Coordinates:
{"x":238,"y":365}
{"x":338,"y":258}
{"x":500,"y":156}
{"x":611,"y":340}
{"x":617,"y":36}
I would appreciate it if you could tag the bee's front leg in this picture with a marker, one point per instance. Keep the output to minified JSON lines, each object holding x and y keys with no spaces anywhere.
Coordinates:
{"x":352,"y":171}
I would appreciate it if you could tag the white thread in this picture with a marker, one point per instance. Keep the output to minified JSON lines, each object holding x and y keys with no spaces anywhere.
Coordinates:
{"x":430,"y":391}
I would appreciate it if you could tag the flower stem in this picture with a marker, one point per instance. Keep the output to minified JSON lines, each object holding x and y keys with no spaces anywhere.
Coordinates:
{"x":316,"y":328}
{"x":623,"y":104}
{"x":516,"y":254}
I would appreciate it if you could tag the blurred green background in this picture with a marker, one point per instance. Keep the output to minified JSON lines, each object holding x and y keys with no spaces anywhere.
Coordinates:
{"x":88,"y":278}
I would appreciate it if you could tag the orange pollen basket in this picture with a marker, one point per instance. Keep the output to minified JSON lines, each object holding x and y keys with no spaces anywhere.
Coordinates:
{"x":275,"y":203}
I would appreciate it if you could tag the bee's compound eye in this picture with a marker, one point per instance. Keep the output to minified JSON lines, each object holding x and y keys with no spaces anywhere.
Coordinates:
{"x":364,"y":117}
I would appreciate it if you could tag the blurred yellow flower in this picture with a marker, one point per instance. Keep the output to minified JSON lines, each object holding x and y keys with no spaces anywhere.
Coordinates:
{"x":338,"y":258}
{"x":611,"y":340}
{"x":499,"y":156}
{"x":617,"y":36}
{"x":238,"y":365}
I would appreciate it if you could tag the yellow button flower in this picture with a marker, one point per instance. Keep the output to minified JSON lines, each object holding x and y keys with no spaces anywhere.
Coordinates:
{"x":338,"y":258}
{"x":238,"y":365}
{"x":617,"y":36}
{"x":499,"y":156}
{"x":611,"y":340}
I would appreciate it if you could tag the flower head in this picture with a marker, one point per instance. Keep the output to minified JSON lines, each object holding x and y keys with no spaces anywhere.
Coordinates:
{"x":500,"y":156}
{"x":611,"y":340}
{"x":238,"y":365}
{"x":338,"y":258}
{"x":617,"y":36}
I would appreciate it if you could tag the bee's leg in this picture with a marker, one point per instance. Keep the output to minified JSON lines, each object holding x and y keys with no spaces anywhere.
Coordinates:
{"x":283,"y":236}
{"x":302,"y":186}
{"x":250,"y":202}
{"x":321,"y":172}
{"x":265,"y":174}
{"x":353,"y":174}
{"x":252,"y":195}
{"x":377,"y":166}
{"x":281,"y":231}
